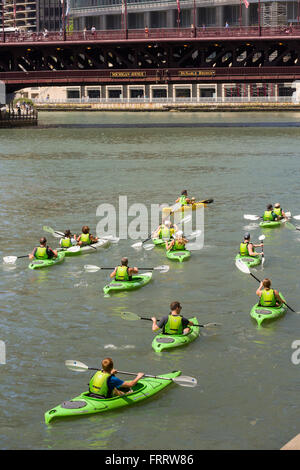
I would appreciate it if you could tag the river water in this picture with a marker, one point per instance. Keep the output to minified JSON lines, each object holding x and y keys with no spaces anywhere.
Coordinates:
{"x":248,"y":388}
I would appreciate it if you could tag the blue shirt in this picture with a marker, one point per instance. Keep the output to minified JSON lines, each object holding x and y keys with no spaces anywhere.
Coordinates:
{"x":114,"y":382}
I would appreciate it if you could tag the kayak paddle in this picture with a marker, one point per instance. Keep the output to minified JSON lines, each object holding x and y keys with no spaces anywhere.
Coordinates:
{"x":178,"y":204}
{"x":244,"y":268}
{"x":58,"y":234}
{"x":133,"y":316}
{"x":261,"y":238}
{"x":183,"y":380}
{"x":13,"y":259}
{"x":92,"y":268}
{"x":151,"y":246}
{"x":257,"y":217}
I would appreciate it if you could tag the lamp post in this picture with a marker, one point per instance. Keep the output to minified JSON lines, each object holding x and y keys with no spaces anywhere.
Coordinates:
{"x":194,"y":20}
{"x":63,"y":19}
{"x":259,"y":24}
{"x":3,"y":31}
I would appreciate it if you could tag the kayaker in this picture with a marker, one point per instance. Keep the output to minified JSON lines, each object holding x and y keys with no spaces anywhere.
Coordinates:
{"x":268,"y":297}
{"x":86,"y":238}
{"x":269,"y":214}
{"x":184,"y":199}
{"x":43,"y":251}
{"x":166,"y":230}
{"x":247,"y":248}
{"x":68,"y":240}
{"x":123,"y":272}
{"x":174,"y":323}
{"x":178,"y":243}
{"x":104,"y":384}
{"x":279,"y":212}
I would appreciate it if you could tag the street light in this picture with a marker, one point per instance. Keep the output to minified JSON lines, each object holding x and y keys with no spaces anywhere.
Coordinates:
{"x":63,"y":19}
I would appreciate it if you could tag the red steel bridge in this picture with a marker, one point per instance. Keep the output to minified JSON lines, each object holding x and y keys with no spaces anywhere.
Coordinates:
{"x":235,"y":54}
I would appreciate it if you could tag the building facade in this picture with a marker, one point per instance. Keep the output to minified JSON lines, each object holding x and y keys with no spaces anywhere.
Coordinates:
{"x":109,"y":14}
{"x":19,"y":14}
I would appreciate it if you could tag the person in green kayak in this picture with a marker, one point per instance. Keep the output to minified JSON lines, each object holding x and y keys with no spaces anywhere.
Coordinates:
{"x":247,"y":248}
{"x":123,"y":272}
{"x":269,"y":214}
{"x":104,"y":384}
{"x":43,"y":251}
{"x":86,"y":238}
{"x":174,"y":323}
{"x":68,"y":240}
{"x":166,"y":230}
{"x":178,"y":243}
{"x":268,"y":297}
{"x":184,"y":199}
{"x":279,"y":212}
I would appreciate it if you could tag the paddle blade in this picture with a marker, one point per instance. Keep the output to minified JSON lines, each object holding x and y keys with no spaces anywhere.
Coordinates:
{"x":185,"y":381}
{"x":212,"y":325}
{"x":91,"y":268}
{"x":137,"y":245}
{"x":296,"y":217}
{"x":262,"y":237}
{"x":48,"y":229}
{"x":130,"y":316}
{"x":9,"y":259}
{"x":149,"y":247}
{"x":242,"y":266}
{"x":163,"y":269}
{"x":251,"y":217}
{"x":288,"y":214}
{"x":76,"y":366}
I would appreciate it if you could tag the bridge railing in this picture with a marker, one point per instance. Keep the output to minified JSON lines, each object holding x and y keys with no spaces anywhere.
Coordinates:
{"x":152,"y":34}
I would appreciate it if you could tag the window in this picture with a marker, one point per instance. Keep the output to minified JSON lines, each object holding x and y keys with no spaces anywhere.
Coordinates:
{"x":93,"y":94}
{"x":114,"y":93}
{"x":73,"y":94}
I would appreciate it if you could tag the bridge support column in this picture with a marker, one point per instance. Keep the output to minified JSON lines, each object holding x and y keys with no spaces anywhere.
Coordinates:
{"x":220,"y":16}
{"x":296,"y":94}
{"x":246,"y":15}
{"x":103,"y":22}
{"x":2,"y":93}
{"x":147,"y":19}
{"x":170,"y":18}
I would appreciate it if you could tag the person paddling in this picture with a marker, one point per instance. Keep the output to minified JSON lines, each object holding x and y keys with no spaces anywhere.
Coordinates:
{"x":86,"y":238}
{"x":247,"y":248}
{"x":174,"y":323}
{"x":166,"y":230}
{"x":184,"y":199}
{"x":178,"y":243}
{"x":268,"y":297}
{"x":123,"y":272}
{"x":269,"y":214}
{"x":43,"y":251}
{"x":279,"y":212}
{"x":68,"y":240}
{"x":105,"y":384}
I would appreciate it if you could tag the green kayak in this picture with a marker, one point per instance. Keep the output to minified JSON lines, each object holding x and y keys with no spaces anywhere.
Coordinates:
{"x":270,"y":223}
{"x":261,"y":314}
{"x":162,"y":342}
{"x":84,"y":404}
{"x":159,"y":242}
{"x":138,"y":281}
{"x":250,"y":261}
{"x":83,"y":250}
{"x":178,"y":255}
{"x":45,"y":263}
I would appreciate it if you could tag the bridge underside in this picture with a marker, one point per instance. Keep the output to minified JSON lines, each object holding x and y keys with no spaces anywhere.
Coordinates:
{"x":92,"y":63}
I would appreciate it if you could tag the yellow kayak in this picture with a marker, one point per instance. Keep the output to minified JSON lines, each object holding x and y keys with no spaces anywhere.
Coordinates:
{"x":193,"y":207}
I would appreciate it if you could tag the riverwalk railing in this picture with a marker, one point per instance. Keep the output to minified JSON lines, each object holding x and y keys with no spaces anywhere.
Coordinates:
{"x":152,"y":34}
{"x":168,"y":101}
{"x":15,"y":118}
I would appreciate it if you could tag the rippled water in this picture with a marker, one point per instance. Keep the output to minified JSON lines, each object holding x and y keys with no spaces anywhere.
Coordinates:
{"x":247,"y":396}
